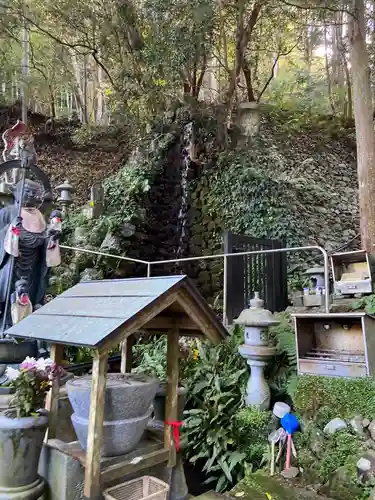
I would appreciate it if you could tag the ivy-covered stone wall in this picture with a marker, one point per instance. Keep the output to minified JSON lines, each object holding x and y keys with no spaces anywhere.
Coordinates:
{"x":299,"y":187}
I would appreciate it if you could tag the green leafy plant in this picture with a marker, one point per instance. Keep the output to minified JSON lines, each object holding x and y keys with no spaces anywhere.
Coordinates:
{"x":31,"y":384}
{"x":341,"y":448}
{"x":216,"y":383}
{"x":253,"y":429}
{"x":367,"y":303}
{"x":284,"y":366}
{"x":151,"y":357}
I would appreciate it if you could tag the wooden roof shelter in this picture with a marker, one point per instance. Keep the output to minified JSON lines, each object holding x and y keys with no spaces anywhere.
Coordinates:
{"x":101,"y":315}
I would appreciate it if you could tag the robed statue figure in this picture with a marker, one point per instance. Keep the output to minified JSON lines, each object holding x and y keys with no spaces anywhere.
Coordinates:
{"x":28,"y":248}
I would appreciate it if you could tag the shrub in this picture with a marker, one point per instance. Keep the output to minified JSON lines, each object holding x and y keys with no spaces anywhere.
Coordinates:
{"x":347,"y":397}
{"x":253,"y":430}
{"x":216,"y":384}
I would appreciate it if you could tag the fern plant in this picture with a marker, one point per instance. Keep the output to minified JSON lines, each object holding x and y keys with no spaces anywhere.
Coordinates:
{"x":284,"y":364}
{"x":285,"y":338}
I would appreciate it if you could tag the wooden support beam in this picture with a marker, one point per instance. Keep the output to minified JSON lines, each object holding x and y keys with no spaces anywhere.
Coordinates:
{"x":198,"y":316}
{"x":92,"y":489}
{"x":171,"y":404}
{"x":118,"y":471}
{"x":127,"y":354}
{"x":52,"y":399}
{"x":138,"y":321}
{"x":163,"y":321}
{"x":124,"y":352}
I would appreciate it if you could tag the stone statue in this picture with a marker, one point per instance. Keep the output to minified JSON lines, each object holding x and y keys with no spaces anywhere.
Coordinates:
{"x":26,"y":246}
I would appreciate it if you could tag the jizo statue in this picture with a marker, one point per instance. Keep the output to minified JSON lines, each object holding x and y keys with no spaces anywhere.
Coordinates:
{"x":29,"y":239}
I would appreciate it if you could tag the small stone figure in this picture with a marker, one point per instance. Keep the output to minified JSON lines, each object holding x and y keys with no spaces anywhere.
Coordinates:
{"x":53,"y":257}
{"x":21,"y":305}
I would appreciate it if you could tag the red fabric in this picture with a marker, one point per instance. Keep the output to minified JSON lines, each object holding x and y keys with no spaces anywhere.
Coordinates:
{"x":176,"y":432}
{"x":16,"y":230}
{"x":24,"y":299}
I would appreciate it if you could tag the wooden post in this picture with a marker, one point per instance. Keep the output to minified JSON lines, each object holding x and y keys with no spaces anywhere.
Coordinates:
{"x":171,"y":405}
{"x":92,"y":489}
{"x":126,"y":354}
{"x":52,"y":399}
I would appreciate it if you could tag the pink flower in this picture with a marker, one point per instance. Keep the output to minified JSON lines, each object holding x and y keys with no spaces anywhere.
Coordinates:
{"x":28,"y":364}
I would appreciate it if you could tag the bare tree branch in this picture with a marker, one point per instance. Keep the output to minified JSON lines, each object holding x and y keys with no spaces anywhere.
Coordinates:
{"x":280,"y":54}
{"x":315,"y":7}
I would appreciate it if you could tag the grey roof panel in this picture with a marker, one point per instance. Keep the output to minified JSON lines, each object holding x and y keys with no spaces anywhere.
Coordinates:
{"x":73,"y":330}
{"x":89,"y":312}
{"x":134,"y":287}
{"x":95,"y":307}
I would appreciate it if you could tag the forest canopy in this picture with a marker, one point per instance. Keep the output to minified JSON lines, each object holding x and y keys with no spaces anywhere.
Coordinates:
{"x":128,"y":60}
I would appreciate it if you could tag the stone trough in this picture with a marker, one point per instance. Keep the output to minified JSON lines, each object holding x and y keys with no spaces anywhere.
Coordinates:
{"x":127,"y":410}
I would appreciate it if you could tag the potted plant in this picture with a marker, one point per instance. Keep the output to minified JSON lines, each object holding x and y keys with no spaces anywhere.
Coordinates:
{"x":23,"y":426}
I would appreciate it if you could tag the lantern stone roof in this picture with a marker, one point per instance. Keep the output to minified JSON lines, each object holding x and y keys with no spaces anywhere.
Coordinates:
{"x":100,"y":314}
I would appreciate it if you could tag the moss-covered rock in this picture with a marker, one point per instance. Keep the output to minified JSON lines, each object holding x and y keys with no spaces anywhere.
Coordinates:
{"x":341,"y":485}
{"x":260,"y":486}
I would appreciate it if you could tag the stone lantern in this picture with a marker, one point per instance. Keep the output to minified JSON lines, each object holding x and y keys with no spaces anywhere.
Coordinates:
{"x":65,"y":191}
{"x":256,"y":350}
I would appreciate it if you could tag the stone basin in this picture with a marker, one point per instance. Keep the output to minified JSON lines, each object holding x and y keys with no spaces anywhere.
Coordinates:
{"x":126,"y":396}
{"x":119,"y":436}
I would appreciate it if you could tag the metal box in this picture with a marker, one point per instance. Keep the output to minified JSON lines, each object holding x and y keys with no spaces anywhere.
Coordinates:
{"x":335,"y":345}
{"x":352,"y":272}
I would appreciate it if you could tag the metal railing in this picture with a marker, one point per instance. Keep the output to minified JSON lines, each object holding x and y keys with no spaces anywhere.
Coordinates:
{"x":225,"y":257}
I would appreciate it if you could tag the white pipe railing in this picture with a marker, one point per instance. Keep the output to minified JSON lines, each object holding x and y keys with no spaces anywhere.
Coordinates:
{"x":225,"y":257}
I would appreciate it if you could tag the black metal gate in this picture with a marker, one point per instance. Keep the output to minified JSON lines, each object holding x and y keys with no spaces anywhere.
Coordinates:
{"x":264,"y":273}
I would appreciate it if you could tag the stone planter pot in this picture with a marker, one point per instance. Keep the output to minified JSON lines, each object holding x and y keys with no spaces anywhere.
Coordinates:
{"x":159,"y":403}
{"x":126,"y":396}
{"x":119,"y":436}
{"x":21,"y":441}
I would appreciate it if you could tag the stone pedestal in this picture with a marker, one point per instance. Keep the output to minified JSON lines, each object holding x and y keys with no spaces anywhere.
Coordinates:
{"x":256,"y":321}
{"x":32,"y":491}
{"x":257,"y":390}
{"x":249,"y":118}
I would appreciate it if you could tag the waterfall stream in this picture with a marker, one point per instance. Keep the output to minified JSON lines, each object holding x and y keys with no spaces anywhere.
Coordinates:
{"x":185,"y":165}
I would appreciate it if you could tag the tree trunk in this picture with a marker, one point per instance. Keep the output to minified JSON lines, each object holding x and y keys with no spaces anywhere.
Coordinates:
{"x":80,"y":87}
{"x":349,"y":96}
{"x":364,"y":125}
{"x":249,"y":83}
{"x":243,"y":35}
{"x":328,"y":76}
{"x":100,"y":96}
{"x":52,"y":103}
